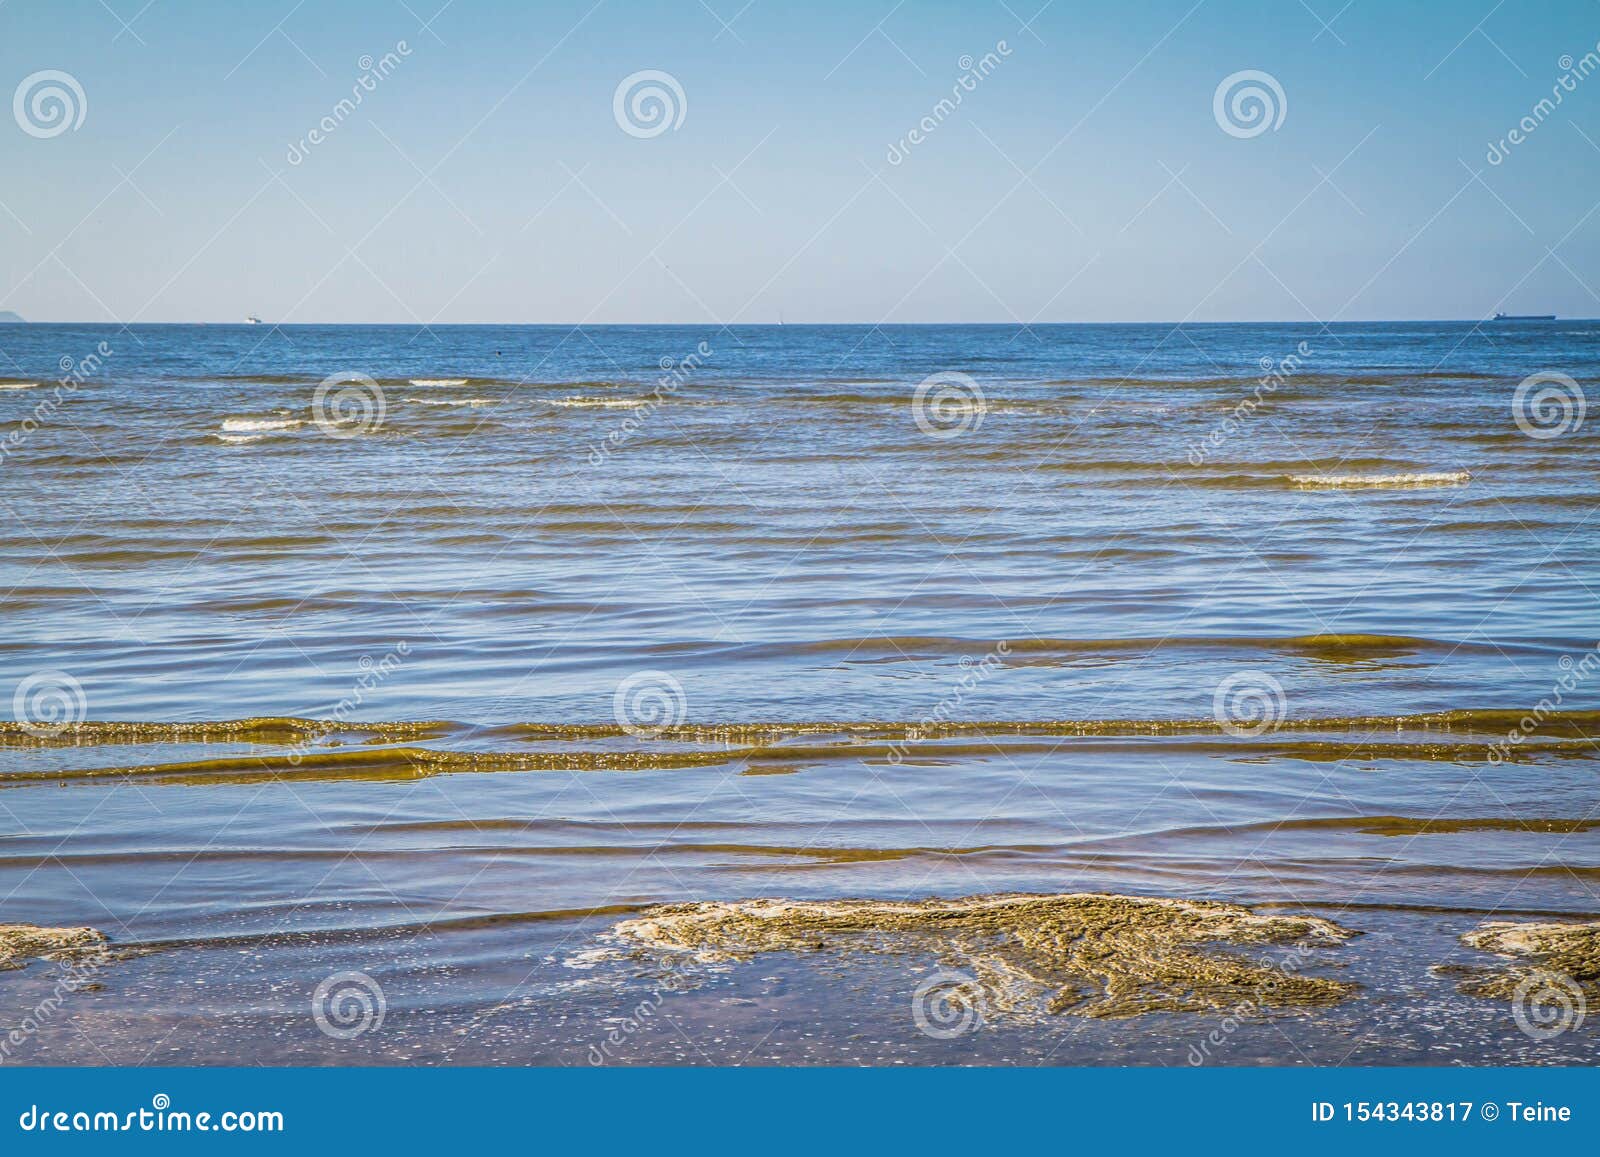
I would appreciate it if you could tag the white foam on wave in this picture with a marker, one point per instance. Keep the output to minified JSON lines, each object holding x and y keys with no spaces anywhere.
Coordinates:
{"x":238,"y":439}
{"x":600,"y":403}
{"x":453,"y":401}
{"x":19,"y":385}
{"x":426,"y":382}
{"x":1381,"y":481}
{"x":258,"y":425}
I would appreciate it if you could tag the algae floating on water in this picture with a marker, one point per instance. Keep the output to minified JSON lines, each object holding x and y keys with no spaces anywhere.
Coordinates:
{"x":20,"y":942}
{"x":1088,"y":954}
{"x":1558,"y":955}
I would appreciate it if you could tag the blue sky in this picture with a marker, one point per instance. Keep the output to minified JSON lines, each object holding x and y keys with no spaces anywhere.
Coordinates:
{"x":1085,"y":178}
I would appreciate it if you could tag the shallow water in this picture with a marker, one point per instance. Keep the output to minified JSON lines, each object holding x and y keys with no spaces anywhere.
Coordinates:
{"x":549,"y":535}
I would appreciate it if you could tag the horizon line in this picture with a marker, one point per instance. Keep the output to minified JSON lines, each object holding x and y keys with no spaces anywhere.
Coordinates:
{"x":419,"y":325}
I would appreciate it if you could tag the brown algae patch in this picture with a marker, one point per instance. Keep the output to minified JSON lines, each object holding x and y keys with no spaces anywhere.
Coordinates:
{"x":20,"y":942}
{"x":1581,"y":724}
{"x":382,"y":764}
{"x":264,"y":730}
{"x":1088,"y":954}
{"x":284,"y":730}
{"x":1567,"y":954}
{"x":334,"y":749}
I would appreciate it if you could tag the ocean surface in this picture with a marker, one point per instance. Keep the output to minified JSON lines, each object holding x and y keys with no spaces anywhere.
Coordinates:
{"x":549,"y":625}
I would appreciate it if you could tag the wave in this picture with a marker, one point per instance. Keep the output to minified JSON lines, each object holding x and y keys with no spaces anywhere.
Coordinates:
{"x":1329,"y":473}
{"x":1388,"y":825}
{"x":421,"y":929}
{"x":809,"y":854}
{"x":1486,"y":721}
{"x":1097,"y":392}
{"x":19,"y":385}
{"x":260,"y":379}
{"x":1252,"y":377}
{"x":258,"y":729}
{"x":312,"y":377}
{"x":1101,"y":848}
{"x":452,"y":401}
{"x":246,"y":431}
{"x":600,"y":403}
{"x":1380,"y":481}
{"x":1259,"y":467}
{"x":388,"y":764}
{"x":291,"y":937}
{"x":918,"y":646}
{"x":753,"y":750}
{"x":259,"y":425}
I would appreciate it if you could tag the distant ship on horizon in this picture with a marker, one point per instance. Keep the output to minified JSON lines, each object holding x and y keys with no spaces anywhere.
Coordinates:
{"x":1524,"y":317}
{"x":252,"y":320}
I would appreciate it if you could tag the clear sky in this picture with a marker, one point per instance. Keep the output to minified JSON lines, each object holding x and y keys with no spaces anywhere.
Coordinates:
{"x":1086,"y":177}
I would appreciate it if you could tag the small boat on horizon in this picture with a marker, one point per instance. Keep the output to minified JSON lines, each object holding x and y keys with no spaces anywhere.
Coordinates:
{"x":1524,"y":317}
{"x":252,"y":320}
